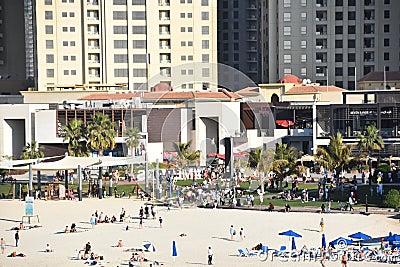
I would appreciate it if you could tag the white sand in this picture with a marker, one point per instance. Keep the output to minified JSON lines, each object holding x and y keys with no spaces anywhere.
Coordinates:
{"x":204,"y":227}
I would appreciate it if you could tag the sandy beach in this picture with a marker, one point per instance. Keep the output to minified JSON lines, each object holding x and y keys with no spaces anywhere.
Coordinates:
{"x":204,"y":228}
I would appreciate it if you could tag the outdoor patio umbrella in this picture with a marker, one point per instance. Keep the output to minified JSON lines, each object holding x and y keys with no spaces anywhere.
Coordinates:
{"x":323,"y":241}
{"x":341,"y":242}
{"x":360,"y":236}
{"x":149,"y":246}
{"x":290,"y":233}
{"x":174,"y":251}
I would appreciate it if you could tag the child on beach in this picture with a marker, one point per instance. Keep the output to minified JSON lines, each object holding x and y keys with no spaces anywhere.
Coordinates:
{"x":3,"y":245}
{"x":160,"y":220}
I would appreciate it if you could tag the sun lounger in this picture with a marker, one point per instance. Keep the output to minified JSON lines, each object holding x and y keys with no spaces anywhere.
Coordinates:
{"x":249,"y":253}
{"x":241,"y":253}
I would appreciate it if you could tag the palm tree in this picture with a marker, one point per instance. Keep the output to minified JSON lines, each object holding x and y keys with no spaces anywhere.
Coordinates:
{"x":32,"y":151}
{"x":132,"y":139}
{"x":185,"y":155}
{"x":370,"y":142}
{"x":264,"y":165}
{"x":284,"y":162}
{"x":254,"y":157}
{"x":101,"y":133}
{"x":336,"y":155}
{"x":75,"y":134}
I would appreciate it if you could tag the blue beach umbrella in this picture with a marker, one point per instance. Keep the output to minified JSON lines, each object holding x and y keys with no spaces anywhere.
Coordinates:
{"x":149,"y":246}
{"x":394,"y":240}
{"x":323,"y":241}
{"x":174,"y":251}
{"x":290,"y":233}
{"x":341,"y":242}
{"x":293,"y":244}
{"x":360,"y":236}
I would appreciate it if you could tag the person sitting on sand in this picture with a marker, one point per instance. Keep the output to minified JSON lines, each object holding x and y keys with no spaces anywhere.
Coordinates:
{"x":67,"y":229}
{"x":270,"y":207}
{"x":183,"y":235}
{"x":48,"y":249}
{"x":73,"y":228}
{"x":257,"y":247}
{"x":287,"y":207}
{"x":15,"y":254}
{"x":21,"y":226}
{"x":113,"y":219}
{"x":119,"y":244}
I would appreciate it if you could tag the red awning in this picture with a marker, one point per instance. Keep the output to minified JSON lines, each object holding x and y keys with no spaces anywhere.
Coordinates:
{"x":284,"y":123}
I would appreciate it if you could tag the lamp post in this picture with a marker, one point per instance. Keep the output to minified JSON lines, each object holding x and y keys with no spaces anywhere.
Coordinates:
{"x":366,"y":203}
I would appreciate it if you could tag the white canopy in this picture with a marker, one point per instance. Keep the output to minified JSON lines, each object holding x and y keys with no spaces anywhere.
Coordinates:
{"x":72,"y":163}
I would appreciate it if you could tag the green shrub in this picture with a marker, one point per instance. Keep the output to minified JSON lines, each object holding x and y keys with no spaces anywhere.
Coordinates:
{"x":392,"y":199}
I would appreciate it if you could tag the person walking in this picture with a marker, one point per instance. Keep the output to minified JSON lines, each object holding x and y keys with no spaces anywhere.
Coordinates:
{"x":241,"y":233}
{"x":351,"y":202}
{"x":210,"y":255}
{"x":232,"y":232}
{"x":160,"y":220}
{"x":3,"y":245}
{"x":322,"y":224}
{"x":16,"y":236}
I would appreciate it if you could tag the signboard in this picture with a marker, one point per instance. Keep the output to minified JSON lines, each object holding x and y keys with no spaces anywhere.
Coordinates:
{"x":29,"y":206}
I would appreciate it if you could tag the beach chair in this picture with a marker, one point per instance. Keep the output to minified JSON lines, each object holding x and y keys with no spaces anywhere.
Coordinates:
{"x":241,"y":253}
{"x":249,"y":253}
{"x":281,"y":250}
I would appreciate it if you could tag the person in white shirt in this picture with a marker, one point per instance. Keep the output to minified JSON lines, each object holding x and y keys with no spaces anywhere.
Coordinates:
{"x":210,"y":255}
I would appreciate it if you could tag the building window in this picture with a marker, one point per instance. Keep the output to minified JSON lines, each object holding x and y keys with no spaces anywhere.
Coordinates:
{"x":72,"y":14}
{"x":190,"y":85}
{"x":338,"y":43}
{"x":190,"y":29}
{"x":286,"y":3}
{"x":303,"y":16}
{"x":204,"y":16}
{"x":189,"y":15}
{"x":183,"y":43}
{"x":138,"y":29}
{"x":65,"y":58}
{"x":183,"y":29}
{"x":351,"y":71}
{"x":190,"y":72}
{"x":352,"y":3}
{"x":65,"y":29}
{"x":351,"y":15}
{"x":387,"y":2}
{"x":338,"y":58}
{"x":120,"y":2}
{"x":183,"y":72}
{"x":338,"y":29}
{"x":65,"y":43}
{"x":49,"y":58}
{"x":235,"y":25}
{"x":48,"y":2}
{"x":338,"y":71}
{"x":204,"y":2}
{"x":121,"y":58}
{"x":287,"y":44}
{"x":182,"y":15}
{"x":339,"y":16}
{"x":64,"y":14}
{"x":119,"y":15}
{"x":72,"y":29}
{"x":49,"y":29}
{"x":138,"y":15}
{"x":72,"y":43}
{"x":351,"y":57}
{"x":236,"y":57}
{"x":205,"y":72}
{"x":386,"y":42}
{"x":386,"y":28}
{"x":303,"y":30}
{"x":205,"y":44}
{"x":385,"y":56}
{"x":50,"y":73}
{"x":303,"y":3}
{"x":236,"y":46}
{"x":48,"y":15}
{"x":205,"y":30}
{"x":120,"y":72}
{"x":66,"y":72}
{"x":303,"y":71}
{"x":183,"y":86}
{"x":190,"y":58}
{"x":287,"y":71}
{"x":138,"y":2}
{"x":49,"y":44}
{"x":139,"y":58}
{"x":351,"y":29}
{"x":339,"y":3}
{"x":183,"y":58}
{"x":303,"y":44}
{"x":190,"y":43}
{"x":73,"y":72}
{"x":287,"y":16}
{"x":287,"y":30}
{"x":287,"y":58}
{"x":73,"y":58}
{"x":120,"y":29}
{"x":235,"y":36}
{"x":303,"y":58}
{"x":386,"y":14}
{"x":120,"y":44}
{"x":351,"y":43}
{"x":139,"y":44}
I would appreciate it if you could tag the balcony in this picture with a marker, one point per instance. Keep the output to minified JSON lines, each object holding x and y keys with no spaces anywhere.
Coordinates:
{"x":165,"y":47}
{"x":165,"y":18}
{"x":164,"y":3}
{"x":93,"y":3}
{"x":94,"y":47}
{"x":165,"y":61}
{"x":93,"y":33}
{"x":165,"y":33}
{"x":252,"y":17}
{"x":93,"y":18}
{"x":252,"y":7}
{"x":320,"y":74}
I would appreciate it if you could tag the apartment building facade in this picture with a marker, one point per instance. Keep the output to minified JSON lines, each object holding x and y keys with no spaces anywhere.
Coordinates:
{"x":242,"y":38}
{"x":333,"y":41}
{"x":125,"y":43}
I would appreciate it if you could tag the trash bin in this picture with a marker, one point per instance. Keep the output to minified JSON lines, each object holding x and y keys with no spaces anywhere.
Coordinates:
{"x":238,"y":203}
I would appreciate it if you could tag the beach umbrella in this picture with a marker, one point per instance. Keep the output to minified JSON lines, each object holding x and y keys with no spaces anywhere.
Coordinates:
{"x":149,"y":246}
{"x":290,"y":233}
{"x":293,"y":244}
{"x":341,"y":242}
{"x":394,"y":240}
{"x":323,"y":241}
{"x":360,"y":235}
{"x":174,"y":251}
